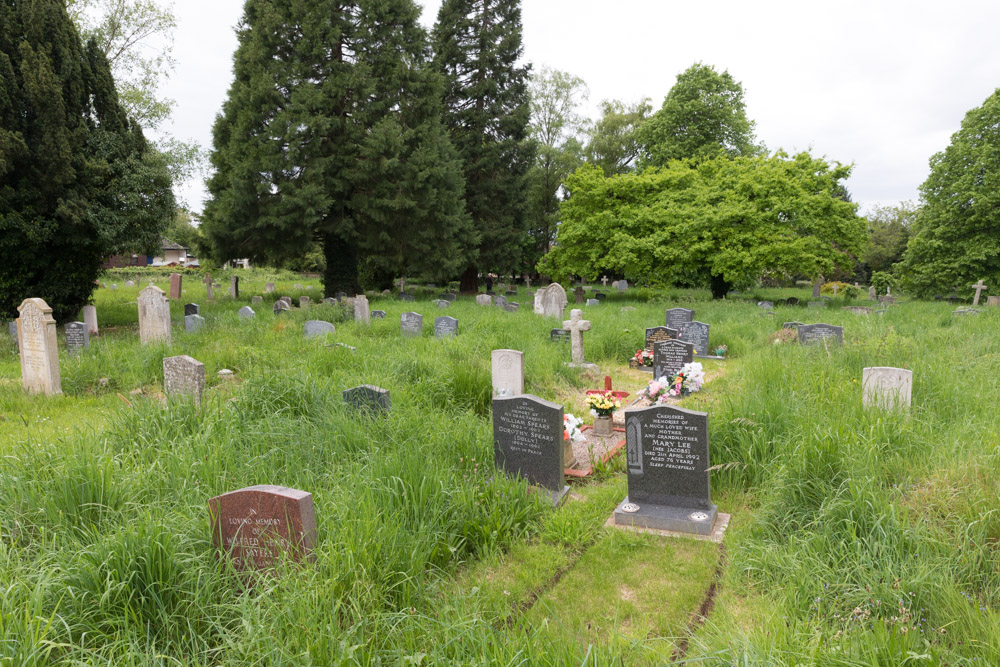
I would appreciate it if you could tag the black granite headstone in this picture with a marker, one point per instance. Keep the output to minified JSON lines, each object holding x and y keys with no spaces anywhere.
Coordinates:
{"x":445,"y":327}
{"x":77,"y":336}
{"x":528,"y":441}
{"x":600,"y":296}
{"x":669,"y":356}
{"x":369,"y":398}
{"x":656,"y":334}
{"x":191,"y":309}
{"x":696,"y":333}
{"x":559,"y":335}
{"x":378,"y":314}
{"x":678,"y":316}
{"x":816,"y":333}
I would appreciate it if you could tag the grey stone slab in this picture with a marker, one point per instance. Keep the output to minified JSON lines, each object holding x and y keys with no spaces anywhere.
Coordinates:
{"x":669,"y":356}
{"x":183,"y":375}
{"x":314,"y":328}
{"x":593,"y":302}
{"x":817,"y":333}
{"x":696,"y":333}
{"x":406,"y":297}
{"x":528,"y":441}
{"x":77,"y":337}
{"x":90,"y":319}
{"x":411,"y":324}
{"x":280,"y":306}
{"x":256,"y":300}
{"x":368,"y":398}
{"x":887,"y":388}
{"x":193,"y":323}
{"x":154,"y":316}
{"x":445,"y":327}
{"x":442,"y":303}
{"x":678,"y":316}
{"x":246,"y":313}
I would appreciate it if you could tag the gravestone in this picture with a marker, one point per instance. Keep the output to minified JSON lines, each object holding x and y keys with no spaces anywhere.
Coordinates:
{"x":368,"y":398}
{"x":12,"y":329}
{"x":576,"y":325}
{"x":696,"y":333}
{"x":256,"y":300}
{"x":871,"y":293}
{"x":593,"y":302}
{"x":362,"y":312}
{"x":816,"y":304}
{"x":451,"y":296}
{"x":129,"y":283}
{"x":512,"y":307}
{"x":508,"y":372}
{"x":538,"y":308}
{"x":578,"y":295}
{"x":154,"y":316}
{"x":614,"y":285}
{"x":259,"y":526}
{"x":442,"y":303}
{"x":656,"y":334}
{"x":559,"y":336}
{"x":36,"y":342}
{"x":669,"y":357}
{"x":484,"y":300}
{"x":600,"y":296}
{"x":554,"y":301}
{"x":499,"y":301}
{"x":378,"y":314}
{"x":184,"y":376}
{"x":678,"y":316}
{"x":192,"y":309}
{"x":403,"y":296}
{"x":669,"y":485}
{"x":175,"y":286}
{"x":287,"y":300}
{"x":193,"y":323}
{"x":887,"y":388}
{"x":887,"y":299}
{"x":993,"y":301}
{"x":268,"y":288}
{"x":817,"y":286}
{"x":246,"y":313}
{"x":314,"y":328}
{"x":817,"y":333}
{"x":207,"y":281}
{"x":90,"y":319}
{"x":280,"y":306}
{"x":445,"y":327}
{"x":77,"y":337}
{"x":791,"y":325}
{"x":304,"y":301}
{"x":766,"y":305}
{"x":528,"y":442}
{"x":234,"y":287}
{"x":411,"y":324}
{"x":622,"y":285}
{"x":114,"y":286}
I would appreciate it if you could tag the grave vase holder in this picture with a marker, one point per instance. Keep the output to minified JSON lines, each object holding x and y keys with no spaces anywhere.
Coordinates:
{"x":603,"y":427}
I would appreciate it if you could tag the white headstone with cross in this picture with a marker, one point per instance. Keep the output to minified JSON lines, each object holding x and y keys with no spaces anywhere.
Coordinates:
{"x":576,"y":325}
{"x":979,"y":287}
{"x":604,"y":280}
{"x":402,"y":284}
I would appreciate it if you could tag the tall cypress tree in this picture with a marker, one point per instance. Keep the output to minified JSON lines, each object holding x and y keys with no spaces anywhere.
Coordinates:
{"x":332,"y":132}
{"x":478,"y":44}
{"x":77,"y":179}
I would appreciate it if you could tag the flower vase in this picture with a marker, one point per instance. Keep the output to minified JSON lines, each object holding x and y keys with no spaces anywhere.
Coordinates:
{"x":603,"y":427}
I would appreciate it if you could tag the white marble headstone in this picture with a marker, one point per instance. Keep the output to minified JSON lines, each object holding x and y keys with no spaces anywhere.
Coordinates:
{"x":885,"y":387}
{"x":36,"y":340}
{"x":154,"y":316}
{"x":508,"y":372}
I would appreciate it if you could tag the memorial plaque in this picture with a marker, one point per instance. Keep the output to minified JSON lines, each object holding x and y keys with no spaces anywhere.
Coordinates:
{"x":657,"y":334}
{"x":258,"y":526}
{"x":445,"y":327}
{"x":817,"y":333}
{"x":193,"y":323}
{"x":314,"y":328}
{"x":696,"y":333}
{"x":669,"y":357}
{"x":90,"y":319}
{"x":559,"y":336}
{"x":77,"y":337}
{"x":887,"y":388}
{"x":669,"y":486}
{"x":411,"y":324}
{"x":368,"y":398}
{"x":508,"y":372}
{"x":184,"y":376}
{"x":678,"y":316}
{"x":36,"y":341}
{"x":154,"y":316}
{"x":246,"y":313}
{"x":528,"y":441}
{"x":192,"y":309}
{"x":378,"y":314}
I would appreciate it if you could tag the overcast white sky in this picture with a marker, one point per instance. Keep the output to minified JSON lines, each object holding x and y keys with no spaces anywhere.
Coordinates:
{"x":880,"y":84}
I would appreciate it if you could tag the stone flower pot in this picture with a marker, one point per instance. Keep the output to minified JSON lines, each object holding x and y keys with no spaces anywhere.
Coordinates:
{"x":603,"y":427}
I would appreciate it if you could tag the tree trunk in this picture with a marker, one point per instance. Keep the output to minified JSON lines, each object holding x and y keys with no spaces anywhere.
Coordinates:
{"x":470,"y":281}
{"x":720,"y":288}
{"x":341,"y":267}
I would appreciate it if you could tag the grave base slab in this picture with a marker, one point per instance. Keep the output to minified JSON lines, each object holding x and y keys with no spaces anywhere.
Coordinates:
{"x":718,"y":530}
{"x":555,"y":497}
{"x":674,"y":519}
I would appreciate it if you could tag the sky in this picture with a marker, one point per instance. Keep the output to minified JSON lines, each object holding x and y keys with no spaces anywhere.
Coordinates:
{"x":879,"y":84}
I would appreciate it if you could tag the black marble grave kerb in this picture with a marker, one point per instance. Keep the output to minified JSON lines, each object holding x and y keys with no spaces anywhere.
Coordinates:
{"x":674,"y":519}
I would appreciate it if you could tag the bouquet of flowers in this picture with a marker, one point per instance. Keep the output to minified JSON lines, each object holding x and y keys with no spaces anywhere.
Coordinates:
{"x":644,"y":357}
{"x":689,"y":379}
{"x":603,"y":404}
{"x":571,"y":428}
{"x":657,"y":390}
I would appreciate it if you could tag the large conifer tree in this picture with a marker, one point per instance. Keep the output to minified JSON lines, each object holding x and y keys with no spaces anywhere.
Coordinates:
{"x":77,"y":179}
{"x":332,"y":132}
{"x":478,"y":44}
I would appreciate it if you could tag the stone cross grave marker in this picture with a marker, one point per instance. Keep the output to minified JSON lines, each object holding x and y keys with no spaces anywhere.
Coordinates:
{"x":192,"y":309}
{"x":445,"y":327}
{"x":669,"y":485}
{"x":401,"y":283}
{"x":77,"y":337}
{"x":604,"y":281}
{"x":678,"y":316}
{"x":527,"y":282}
{"x":175,"y":286}
{"x":887,"y":388}
{"x":508,"y":372}
{"x":258,"y":526}
{"x":207,"y":281}
{"x":696,"y":333}
{"x":411,"y":324}
{"x":835,"y":288}
{"x":554,"y":301}
{"x":154,"y":316}
{"x":90,"y":319}
{"x":368,"y":398}
{"x":36,"y":342}
{"x":669,"y":356}
{"x":362,"y":312}
{"x":184,"y":376}
{"x":314,"y":328}
{"x":193,"y":323}
{"x":979,"y":287}
{"x":576,"y":325}
{"x":579,"y":295}
{"x":817,"y":333}
{"x":246,"y":313}
{"x":528,"y":442}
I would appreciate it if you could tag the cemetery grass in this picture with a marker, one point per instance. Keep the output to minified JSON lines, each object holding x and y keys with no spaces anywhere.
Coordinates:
{"x":857,"y":538}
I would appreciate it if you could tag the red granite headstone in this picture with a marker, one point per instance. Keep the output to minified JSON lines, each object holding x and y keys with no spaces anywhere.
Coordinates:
{"x":175,"y":286}
{"x":259,"y":525}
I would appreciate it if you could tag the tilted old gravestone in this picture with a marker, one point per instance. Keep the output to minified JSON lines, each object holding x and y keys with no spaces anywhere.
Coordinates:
{"x":207,"y":282}
{"x":154,"y":316}
{"x":817,"y":333}
{"x":669,"y":486}
{"x":678,"y":316}
{"x":184,"y":376}
{"x":314,"y":328}
{"x":528,"y":442}
{"x":979,"y":287}
{"x":259,"y":526}
{"x":445,"y":327}
{"x":669,"y":356}
{"x":77,"y":336}
{"x":442,"y":303}
{"x":378,"y":314}
{"x":368,"y":398}
{"x":246,"y":313}
{"x":696,"y":333}
{"x":508,"y":372}
{"x":554,"y":301}
{"x":304,"y":301}
{"x":887,"y":388}
{"x":193,"y":323}
{"x":90,"y":319}
{"x":280,"y":306}
{"x":484,"y":300}
{"x":362,"y":312}
{"x":192,"y":309}
{"x":36,"y":342}
{"x":411,"y":324}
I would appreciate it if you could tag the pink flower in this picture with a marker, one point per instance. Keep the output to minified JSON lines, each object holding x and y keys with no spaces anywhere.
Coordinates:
{"x":654,"y":388}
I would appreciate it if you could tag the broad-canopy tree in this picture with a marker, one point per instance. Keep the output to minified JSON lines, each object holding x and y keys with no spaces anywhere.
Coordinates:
{"x":890,"y":227}
{"x":78,"y":182}
{"x":332,"y":133}
{"x":722,"y":222}
{"x":703,"y":116}
{"x":612,"y":140}
{"x":477,"y":47}
{"x":956,"y":236}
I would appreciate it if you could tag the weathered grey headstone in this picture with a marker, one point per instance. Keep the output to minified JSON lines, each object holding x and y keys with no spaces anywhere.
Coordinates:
{"x":314,"y":328}
{"x":554,"y":301}
{"x":559,"y":336}
{"x":600,"y":296}
{"x":528,"y":442}
{"x":622,"y":285}
{"x":77,"y":336}
{"x":90,"y":319}
{"x":280,"y":306}
{"x":696,"y":333}
{"x":246,"y":312}
{"x":185,"y":376}
{"x":192,"y":309}
{"x":175,"y":286}
{"x":288,"y":300}
{"x":537,"y":305}
{"x":256,"y":300}
{"x":508,"y":372}
{"x":234,"y":287}
{"x":669,"y":485}
{"x":445,"y":327}
{"x":669,"y":357}
{"x":817,"y":287}
{"x":817,"y":333}
{"x":887,"y":388}
{"x":576,"y":326}
{"x":129,"y":283}
{"x":500,"y":301}
{"x":368,"y":398}
{"x":442,"y":303}
{"x":993,"y":301}
{"x":484,"y":300}
{"x":304,"y":301}
{"x":656,"y":334}
{"x":512,"y":306}
{"x":259,"y":526}
{"x":378,"y":314}
{"x":411,"y":324}
{"x":593,"y":302}
{"x":678,"y":316}
{"x":193,"y":323}
{"x":154,"y":316}
{"x":36,"y":341}
{"x":12,"y":329}
{"x":268,"y":288}
{"x":362,"y":311}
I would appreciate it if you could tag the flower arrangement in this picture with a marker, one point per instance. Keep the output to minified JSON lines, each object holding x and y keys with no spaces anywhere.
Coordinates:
{"x":571,"y":428}
{"x":688,"y":380}
{"x":721,"y":350}
{"x":603,"y":404}
{"x":644,"y":357}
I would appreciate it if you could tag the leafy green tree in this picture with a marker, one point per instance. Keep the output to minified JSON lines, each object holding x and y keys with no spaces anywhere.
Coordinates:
{"x":331,"y":133}
{"x":78,"y":182}
{"x":703,"y":116}
{"x":556,"y":128}
{"x":612,"y":140}
{"x":477,"y":47}
{"x":956,"y":236}
{"x":889,"y":227}
{"x":722,"y":222}
{"x":182,"y":230}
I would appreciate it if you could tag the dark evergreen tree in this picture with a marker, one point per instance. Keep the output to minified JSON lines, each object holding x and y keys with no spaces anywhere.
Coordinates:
{"x":77,"y":180}
{"x":478,"y":45}
{"x":332,"y":133}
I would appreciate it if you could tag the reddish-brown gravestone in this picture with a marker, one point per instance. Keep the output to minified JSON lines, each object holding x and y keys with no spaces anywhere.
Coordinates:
{"x":260,"y":525}
{"x":175,"y":286}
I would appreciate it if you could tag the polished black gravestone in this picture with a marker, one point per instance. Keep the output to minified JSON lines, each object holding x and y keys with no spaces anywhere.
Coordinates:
{"x":696,"y":333}
{"x":191,"y":309}
{"x":77,"y":336}
{"x":678,"y":316}
{"x":657,"y":334}
{"x":528,"y":442}
{"x":669,"y":484}
{"x":669,"y":356}
{"x":368,"y":398}
{"x":559,"y":335}
{"x":817,"y":333}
